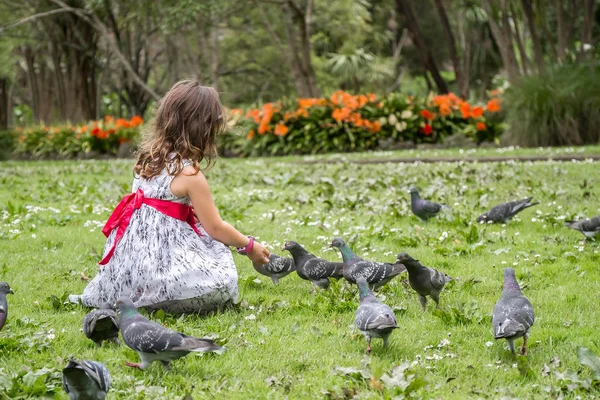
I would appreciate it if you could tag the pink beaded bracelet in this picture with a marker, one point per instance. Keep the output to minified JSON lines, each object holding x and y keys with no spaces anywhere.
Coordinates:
{"x":248,"y":249}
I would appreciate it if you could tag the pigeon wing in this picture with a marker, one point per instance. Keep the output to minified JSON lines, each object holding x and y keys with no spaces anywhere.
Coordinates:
{"x":374,"y":316}
{"x":149,"y":337}
{"x":98,"y":372}
{"x":437,"y":279}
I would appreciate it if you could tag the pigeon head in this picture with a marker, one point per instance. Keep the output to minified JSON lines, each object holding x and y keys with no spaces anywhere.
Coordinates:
{"x":482,"y":218}
{"x":290,"y":245}
{"x":337,"y":242}
{"x":510,"y":280}
{"x":404,"y":257}
{"x":126,"y":306}
{"x":5,"y":288}
{"x":413,"y":189}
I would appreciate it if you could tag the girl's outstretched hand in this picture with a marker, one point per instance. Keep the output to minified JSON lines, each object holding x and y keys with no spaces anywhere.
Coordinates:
{"x":259,"y":254}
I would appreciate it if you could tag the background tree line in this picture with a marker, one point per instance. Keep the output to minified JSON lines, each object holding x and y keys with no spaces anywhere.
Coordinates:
{"x":80,"y":59}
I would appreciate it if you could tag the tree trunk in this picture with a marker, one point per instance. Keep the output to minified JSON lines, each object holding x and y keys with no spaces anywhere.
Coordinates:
{"x":589,"y":11}
{"x":562,"y":44}
{"x":3,"y":104}
{"x":32,"y":83}
{"x":302,"y":70}
{"x":504,"y":40}
{"x":429,"y":63}
{"x":524,"y":59}
{"x":537,"y":45}
{"x":451,"y":41}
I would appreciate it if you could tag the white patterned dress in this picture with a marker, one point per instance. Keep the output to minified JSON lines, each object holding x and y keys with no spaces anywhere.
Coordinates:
{"x":162,"y":263}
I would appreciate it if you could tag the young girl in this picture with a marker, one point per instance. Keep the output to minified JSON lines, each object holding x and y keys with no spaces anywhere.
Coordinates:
{"x":167,"y":245}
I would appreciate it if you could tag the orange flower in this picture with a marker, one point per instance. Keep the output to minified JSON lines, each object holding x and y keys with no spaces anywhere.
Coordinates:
{"x":301,"y":112}
{"x":237,"y":111}
{"x":311,"y":102}
{"x":288,"y":114}
{"x":83,"y":129}
{"x":445,"y":109}
{"x":465,"y":109}
{"x":495,"y":92}
{"x":440,"y":100}
{"x":95,"y":131}
{"x":341,"y":114}
{"x":254,"y":114}
{"x":477,"y":112}
{"x":481,"y":126}
{"x":110,"y":131}
{"x":375,"y":127}
{"x":123,"y":140}
{"x":47,"y":129}
{"x":493,"y":105}
{"x":428,"y":115}
{"x":121,"y":123}
{"x":250,"y":135}
{"x":102,"y":134}
{"x":281,"y":129}
{"x":136,"y":120}
{"x":454,"y":100}
{"x":264,"y":128}
{"x":362,"y":100}
{"x":107,"y":118}
{"x":372,"y":97}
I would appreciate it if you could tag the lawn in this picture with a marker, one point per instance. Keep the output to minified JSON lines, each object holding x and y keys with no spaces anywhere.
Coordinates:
{"x":288,"y":341}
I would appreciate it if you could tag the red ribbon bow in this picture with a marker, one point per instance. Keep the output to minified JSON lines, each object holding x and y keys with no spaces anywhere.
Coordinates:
{"x":122,"y":214}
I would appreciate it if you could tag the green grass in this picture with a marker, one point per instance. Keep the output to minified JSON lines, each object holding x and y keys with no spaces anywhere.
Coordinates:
{"x":288,"y":341}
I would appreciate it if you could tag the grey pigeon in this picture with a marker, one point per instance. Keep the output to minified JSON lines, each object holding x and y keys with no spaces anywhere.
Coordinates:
{"x":502,"y":213}
{"x":424,"y":280}
{"x":373,"y":318}
{"x":277,"y":268}
{"x":589,"y":227}
{"x":312,"y":268}
{"x":4,"y":290}
{"x":513,"y":313}
{"x":154,"y":342}
{"x":85,"y":380}
{"x":102,"y":324}
{"x":377,"y":274}
{"x":423,"y":209}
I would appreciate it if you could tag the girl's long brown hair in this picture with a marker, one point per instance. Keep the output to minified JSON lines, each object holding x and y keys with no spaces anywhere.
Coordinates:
{"x":185,"y":127}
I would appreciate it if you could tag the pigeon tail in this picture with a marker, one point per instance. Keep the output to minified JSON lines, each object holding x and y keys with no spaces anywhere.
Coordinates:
{"x":509,"y":329}
{"x":198,"y":345}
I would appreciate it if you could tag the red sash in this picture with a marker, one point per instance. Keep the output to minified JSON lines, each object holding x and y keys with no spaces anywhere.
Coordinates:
{"x":122,"y":214}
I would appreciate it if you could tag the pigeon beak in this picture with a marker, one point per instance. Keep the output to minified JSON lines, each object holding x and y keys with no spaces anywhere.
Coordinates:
{"x":11,"y":291}
{"x":331,"y":245}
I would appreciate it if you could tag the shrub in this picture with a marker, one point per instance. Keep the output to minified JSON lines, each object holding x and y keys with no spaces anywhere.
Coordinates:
{"x":65,"y":141}
{"x":343,"y":123}
{"x":8,"y":140}
{"x":561,"y":107}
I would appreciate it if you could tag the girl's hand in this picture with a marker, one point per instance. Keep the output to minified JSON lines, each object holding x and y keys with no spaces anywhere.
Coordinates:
{"x":259,"y":254}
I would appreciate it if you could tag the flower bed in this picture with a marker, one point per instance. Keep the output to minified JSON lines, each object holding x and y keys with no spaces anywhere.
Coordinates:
{"x":344,"y":122}
{"x":66,"y":141}
{"x":340,"y":123}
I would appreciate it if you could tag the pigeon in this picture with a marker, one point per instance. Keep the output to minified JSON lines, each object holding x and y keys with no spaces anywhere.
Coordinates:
{"x":422,"y":208}
{"x":102,"y":324}
{"x":154,"y":342}
{"x":513,"y":313}
{"x":277,"y":268}
{"x":373,"y":318}
{"x":424,"y":280}
{"x":4,"y":290}
{"x":502,"y":213}
{"x":85,"y":380}
{"x":312,"y":268}
{"x":377,"y":274}
{"x":589,"y":227}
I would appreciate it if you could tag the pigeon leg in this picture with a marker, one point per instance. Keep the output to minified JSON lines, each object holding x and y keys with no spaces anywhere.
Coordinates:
{"x":423,"y":301}
{"x":275,"y":280}
{"x":166,"y":364}
{"x":511,"y":345}
{"x":385,"y":341}
{"x":133,"y":365}
{"x":368,"y":344}
{"x":116,"y":341}
{"x":524,"y":348}
{"x":436,"y":297}
{"x":99,"y":343}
